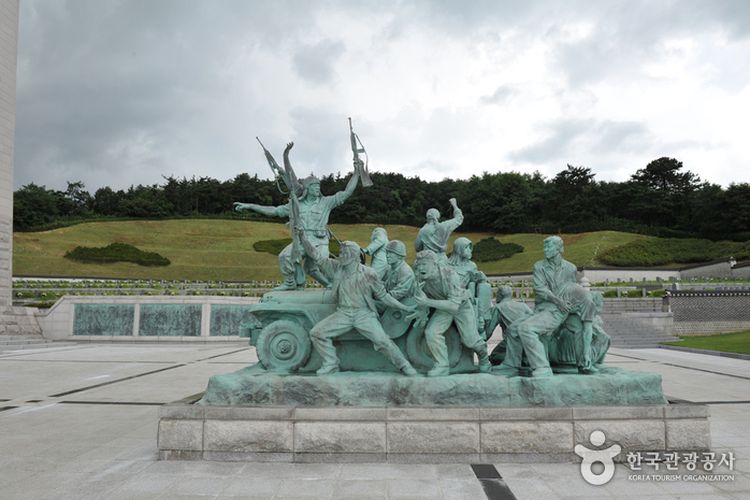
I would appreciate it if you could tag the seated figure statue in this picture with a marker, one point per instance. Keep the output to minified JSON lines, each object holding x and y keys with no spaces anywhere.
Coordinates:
{"x":356,"y":288}
{"x":434,"y":234}
{"x":550,"y":275}
{"x":473,"y":280}
{"x":439,"y":288}
{"x":571,"y":343}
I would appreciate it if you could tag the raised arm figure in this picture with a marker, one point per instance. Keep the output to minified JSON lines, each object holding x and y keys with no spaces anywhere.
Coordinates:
{"x":308,"y":210}
{"x":434,"y":234}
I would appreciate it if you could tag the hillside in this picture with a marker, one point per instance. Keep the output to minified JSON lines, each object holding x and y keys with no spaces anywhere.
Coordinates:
{"x":223,"y":249}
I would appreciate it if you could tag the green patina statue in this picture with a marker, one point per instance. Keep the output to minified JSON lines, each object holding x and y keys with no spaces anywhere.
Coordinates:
{"x":440,"y":290}
{"x":473,"y":280}
{"x":355,"y":289}
{"x":376,"y":250}
{"x":385,"y":318}
{"x":435,"y":233}
{"x":438,"y":319}
{"x":308,"y":210}
{"x":573,"y":345}
{"x":399,"y":278}
{"x":505,"y":314}
{"x":564,"y":330}
{"x":551,"y":310}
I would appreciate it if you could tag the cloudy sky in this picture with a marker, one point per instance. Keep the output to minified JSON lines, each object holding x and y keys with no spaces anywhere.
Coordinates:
{"x":122,"y":92}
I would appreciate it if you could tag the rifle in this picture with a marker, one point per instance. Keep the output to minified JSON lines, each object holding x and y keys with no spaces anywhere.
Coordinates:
{"x":358,"y":148}
{"x":289,"y":179}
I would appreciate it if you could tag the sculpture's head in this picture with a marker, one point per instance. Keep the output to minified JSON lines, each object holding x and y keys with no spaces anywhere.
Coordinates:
{"x":427,"y":265}
{"x":598,"y":298}
{"x":504,"y":292}
{"x":553,"y":246}
{"x":379,"y":234}
{"x":311,"y":186}
{"x":349,"y":253}
{"x":462,"y":250}
{"x":395,"y":252}
{"x":433,"y":215}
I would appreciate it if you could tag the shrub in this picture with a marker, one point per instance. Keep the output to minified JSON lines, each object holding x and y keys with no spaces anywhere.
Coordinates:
{"x":654,"y":252}
{"x":274,"y":247}
{"x":116,"y":252}
{"x":489,"y":249}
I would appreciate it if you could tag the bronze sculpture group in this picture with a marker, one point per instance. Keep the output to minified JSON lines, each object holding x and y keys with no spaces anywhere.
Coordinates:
{"x":562,"y":333}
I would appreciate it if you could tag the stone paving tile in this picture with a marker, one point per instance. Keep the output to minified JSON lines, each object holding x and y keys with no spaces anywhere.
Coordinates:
{"x":306,"y":488}
{"x":199,"y":486}
{"x":362,"y":490}
{"x":413,"y":488}
{"x":461,"y":489}
{"x":530,"y":489}
{"x":225,"y":497}
{"x":292,"y":470}
{"x":389,"y":471}
{"x":454,"y":471}
{"x":148,"y":483}
{"x":244,"y":485}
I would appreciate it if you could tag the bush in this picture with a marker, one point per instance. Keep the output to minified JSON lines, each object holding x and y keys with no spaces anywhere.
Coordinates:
{"x":489,"y":249}
{"x":274,"y":247}
{"x":655,"y":252}
{"x":116,"y":252}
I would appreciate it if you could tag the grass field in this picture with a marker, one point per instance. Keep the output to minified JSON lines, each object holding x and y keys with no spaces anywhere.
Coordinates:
{"x":729,"y":342}
{"x":223,"y":249}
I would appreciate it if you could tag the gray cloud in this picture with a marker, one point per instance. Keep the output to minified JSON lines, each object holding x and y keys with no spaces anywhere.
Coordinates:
{"x":595,"y":136}
{"x":500,"y":95}
{"x":120,"y":93}
{"x":315,"y":62}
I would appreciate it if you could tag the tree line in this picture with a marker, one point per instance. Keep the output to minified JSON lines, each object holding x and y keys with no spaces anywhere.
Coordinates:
{"x":661,"y":199}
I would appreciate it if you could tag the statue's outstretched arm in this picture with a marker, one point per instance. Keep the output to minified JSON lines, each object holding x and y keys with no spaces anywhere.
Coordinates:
{"x":268,"y":211}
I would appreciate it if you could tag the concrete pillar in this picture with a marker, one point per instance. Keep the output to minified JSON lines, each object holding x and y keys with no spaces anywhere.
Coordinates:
{"x":8,"y":55}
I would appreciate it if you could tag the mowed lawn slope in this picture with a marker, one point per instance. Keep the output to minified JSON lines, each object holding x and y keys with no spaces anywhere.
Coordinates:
{"x":203,"y":249}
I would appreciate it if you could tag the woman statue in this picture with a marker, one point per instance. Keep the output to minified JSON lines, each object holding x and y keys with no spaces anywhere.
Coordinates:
{"x":473,"y":279}
{"x":376,"y":249}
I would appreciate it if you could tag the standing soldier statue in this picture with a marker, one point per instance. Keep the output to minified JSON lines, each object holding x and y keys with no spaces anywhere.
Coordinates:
{"x":308,"y":210}
{"x":434,"y":234}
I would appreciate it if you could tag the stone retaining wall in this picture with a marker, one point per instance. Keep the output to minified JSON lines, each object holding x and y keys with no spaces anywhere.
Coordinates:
{"x":421,"y":435}
{"x":147,"y":318}
{"x":699,"y":312}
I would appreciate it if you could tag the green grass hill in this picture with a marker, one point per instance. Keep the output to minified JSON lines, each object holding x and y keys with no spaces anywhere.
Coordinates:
{"x":203,"y":249}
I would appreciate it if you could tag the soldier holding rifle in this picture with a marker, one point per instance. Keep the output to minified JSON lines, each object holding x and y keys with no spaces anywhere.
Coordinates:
{"x":308,"y":210}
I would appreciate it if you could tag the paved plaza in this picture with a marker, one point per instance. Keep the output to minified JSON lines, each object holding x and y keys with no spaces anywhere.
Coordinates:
{"x":80,"y":422}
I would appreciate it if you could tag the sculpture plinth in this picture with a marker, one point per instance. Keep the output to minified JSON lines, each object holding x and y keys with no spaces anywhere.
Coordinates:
{"x":254,"y":386}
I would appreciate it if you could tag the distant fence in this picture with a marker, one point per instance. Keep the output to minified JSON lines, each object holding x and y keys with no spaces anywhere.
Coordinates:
{"x":697,"y":312}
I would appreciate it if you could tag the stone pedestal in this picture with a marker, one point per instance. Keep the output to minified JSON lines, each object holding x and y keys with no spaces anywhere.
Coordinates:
{"x":255,"y":415}
{"x":421,"y":435}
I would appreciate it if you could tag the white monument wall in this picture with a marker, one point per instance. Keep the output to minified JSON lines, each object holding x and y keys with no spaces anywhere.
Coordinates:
{"x":8,"y":54}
